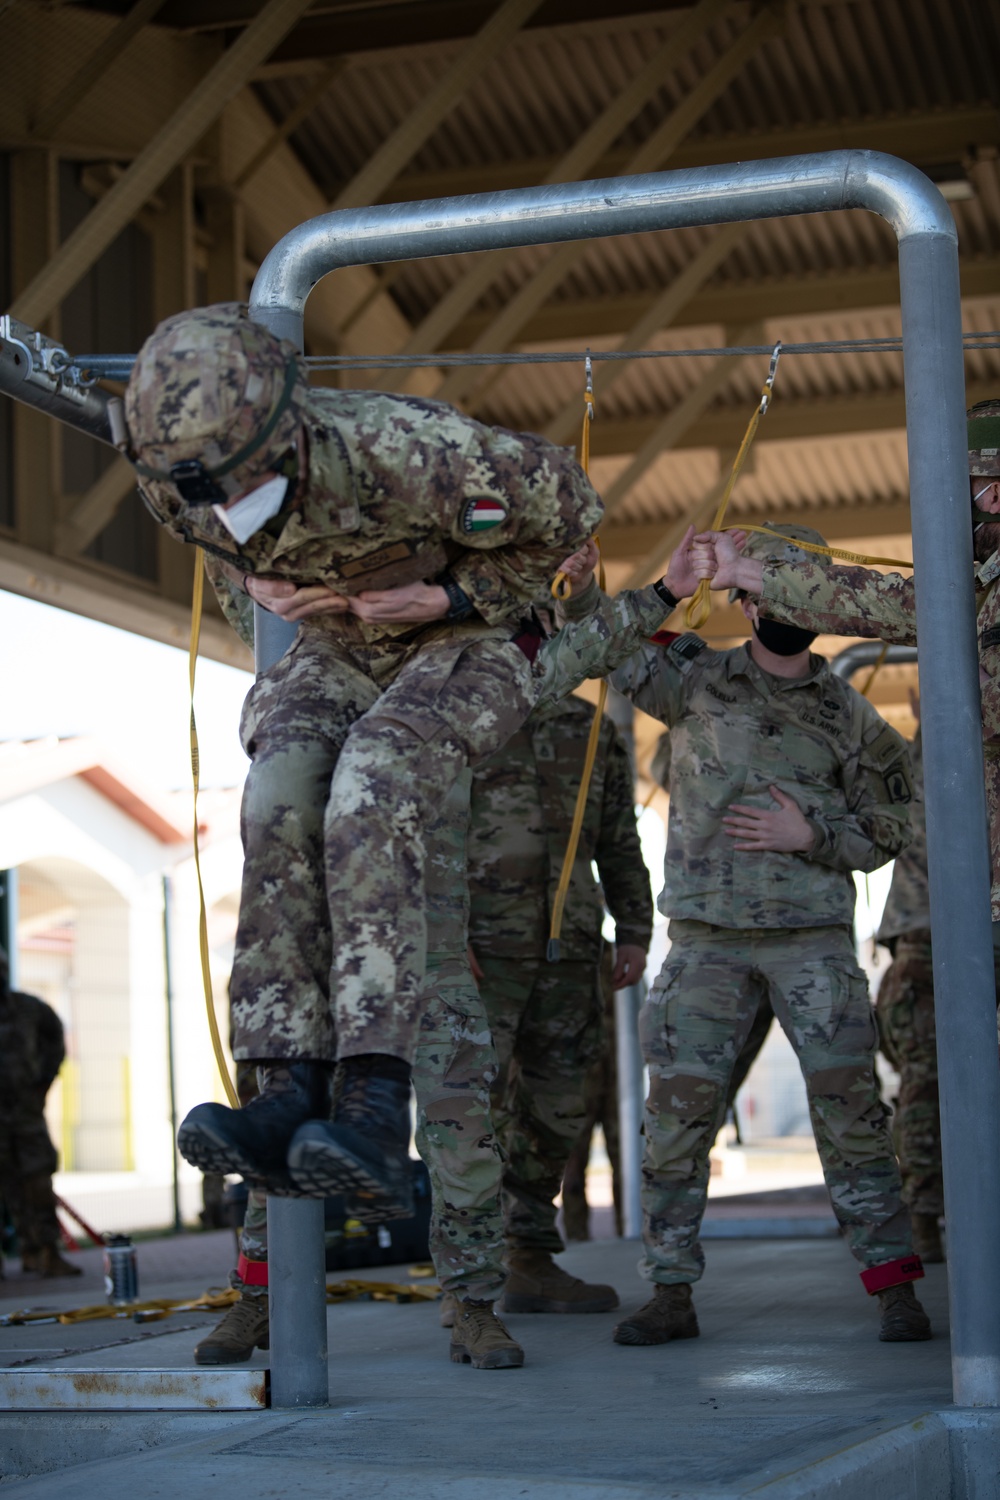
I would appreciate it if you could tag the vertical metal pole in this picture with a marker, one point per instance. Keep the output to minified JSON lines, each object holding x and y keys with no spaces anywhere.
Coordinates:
{"x":296,"y":1254}
{"x":958,"y":856}
{"x":168,"y":986}
{"x":630,"y":1102}
{"x":8,"y":923}
{"x":296,"y":1273}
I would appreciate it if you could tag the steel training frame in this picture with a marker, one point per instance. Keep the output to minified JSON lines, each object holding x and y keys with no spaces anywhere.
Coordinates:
{"x":948,"y":667}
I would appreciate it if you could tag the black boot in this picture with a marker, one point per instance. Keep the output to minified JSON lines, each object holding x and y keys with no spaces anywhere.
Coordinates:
{"x":364,"y":1153}
{"x":254,"y":1141}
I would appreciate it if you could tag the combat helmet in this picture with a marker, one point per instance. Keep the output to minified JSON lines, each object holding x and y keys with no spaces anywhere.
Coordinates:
{"x":984,"y":438}
{"x":214,"y":400}
{"x":770,"y":549}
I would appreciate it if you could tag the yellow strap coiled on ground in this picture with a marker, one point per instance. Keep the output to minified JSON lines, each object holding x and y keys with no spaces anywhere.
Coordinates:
{"x":560,"y":589}
{"x":197,"y":603}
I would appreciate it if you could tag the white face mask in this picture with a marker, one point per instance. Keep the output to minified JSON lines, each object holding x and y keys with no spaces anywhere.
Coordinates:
{"x":253,"y":511}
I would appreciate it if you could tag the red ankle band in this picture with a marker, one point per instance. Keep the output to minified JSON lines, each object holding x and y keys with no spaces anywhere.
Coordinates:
{"x":254,"y":1272}
{"x":892,"y":1273}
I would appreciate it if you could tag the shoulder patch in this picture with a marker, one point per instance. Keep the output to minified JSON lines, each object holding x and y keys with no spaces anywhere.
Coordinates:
{"x":684,"y":649}
{"x":889,"y":752}
{"x":482,"y":515}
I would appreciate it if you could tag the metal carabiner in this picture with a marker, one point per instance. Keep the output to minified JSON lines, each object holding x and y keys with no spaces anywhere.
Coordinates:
{"x":765,"y":395}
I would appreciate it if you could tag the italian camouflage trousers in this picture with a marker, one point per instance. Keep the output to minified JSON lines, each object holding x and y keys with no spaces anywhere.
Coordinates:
{"x":693,"y":1026}
{"x":351,"y":758}
{"x":548,"y":1029}
{"x":27,"y":1162}
{"x":905,"y":1010}
{"x":454,"y":1067}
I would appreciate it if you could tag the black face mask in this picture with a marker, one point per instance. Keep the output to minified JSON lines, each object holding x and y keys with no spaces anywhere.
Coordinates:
{"x":783,"y":640}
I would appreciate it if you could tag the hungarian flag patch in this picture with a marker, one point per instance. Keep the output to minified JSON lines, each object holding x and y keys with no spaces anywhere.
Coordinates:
{"x":483,"y":515}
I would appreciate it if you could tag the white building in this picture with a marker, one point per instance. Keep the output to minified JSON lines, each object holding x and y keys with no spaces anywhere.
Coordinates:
{"x":101,"y":868}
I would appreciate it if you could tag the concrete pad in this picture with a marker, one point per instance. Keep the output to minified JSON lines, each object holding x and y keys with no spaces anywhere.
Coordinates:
{"x":787,"y":1377}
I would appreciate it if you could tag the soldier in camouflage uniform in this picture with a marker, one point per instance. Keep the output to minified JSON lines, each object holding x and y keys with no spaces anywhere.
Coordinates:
{"x":356,"y":734}
{"x":453,"y":1069}
{"x":783,"y":782}
{"x":905,"y":1008}
{"x":455,"y":1061}
{"x":31,"y":1053}
{"x":547,"y":1018}
{"x":861,"y":601}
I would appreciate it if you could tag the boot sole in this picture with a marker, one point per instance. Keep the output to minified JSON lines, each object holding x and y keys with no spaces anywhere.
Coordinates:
{"x":497,"y":1359}
{"x":321,"y":1170}
{"x":905,"y":1338}
{"x":627,"y":1333}
{"x":518,"y":1303}
{"x":209,"y":1152}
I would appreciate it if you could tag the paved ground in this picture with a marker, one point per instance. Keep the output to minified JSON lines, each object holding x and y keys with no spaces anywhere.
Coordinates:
{"x":787,"y":1371}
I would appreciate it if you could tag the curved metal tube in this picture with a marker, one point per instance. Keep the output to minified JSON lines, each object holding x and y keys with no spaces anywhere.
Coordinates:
{"x":587,"y":210}
{"x":958,"y":854}
{"x":866,"y":654}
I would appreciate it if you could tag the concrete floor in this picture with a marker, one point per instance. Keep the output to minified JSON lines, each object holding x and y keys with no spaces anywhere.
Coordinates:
{"x":787,"y":1378}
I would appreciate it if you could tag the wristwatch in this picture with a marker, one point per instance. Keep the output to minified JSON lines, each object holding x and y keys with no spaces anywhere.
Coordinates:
{"x":460,"y":605}
{"x":661,"y":590}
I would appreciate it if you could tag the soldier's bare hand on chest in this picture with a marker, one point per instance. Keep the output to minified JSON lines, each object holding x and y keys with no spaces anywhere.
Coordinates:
{"x":294,"y":602}
{"x":413,"y":603}
{"x":783,"y":828}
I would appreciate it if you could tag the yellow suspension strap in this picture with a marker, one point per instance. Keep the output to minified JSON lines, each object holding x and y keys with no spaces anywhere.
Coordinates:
{"x":197,"y":603}
{"x":869,"y":680}
{"x":561,"y":588}
{"x":837,"y":552}
{"x":701,"y":604}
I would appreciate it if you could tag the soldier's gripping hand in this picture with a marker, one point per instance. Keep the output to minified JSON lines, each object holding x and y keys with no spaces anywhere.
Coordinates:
{"x":718,"y":556}
{"x":581,"y":566}
{"x":294,"y":602}
{"x":784,"y":828}
{"x":630,"y":965}
{"x":682,"y":578}
{"x":411,"y":603}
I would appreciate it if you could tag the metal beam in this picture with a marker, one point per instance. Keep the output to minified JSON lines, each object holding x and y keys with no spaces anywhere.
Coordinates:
{"x":93,"y":510}
{"x":656,"y":316}
{"x":99,"y":593}
{"x":578,"y":160}
{"x":739,"y":302}
{"x":168,"y":147}
{"x":787,"y":421}
{"x":290,"y":123}
{"x":920,"y":136}
{"x":667,"y":431}
{"x":95,"y":66}
{"x":384,"y":166}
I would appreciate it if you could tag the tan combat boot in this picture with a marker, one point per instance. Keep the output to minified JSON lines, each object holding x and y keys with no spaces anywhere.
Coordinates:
{"x":537,"y":1285}
{"x":669,"y":1314}
{"x":46,"y":1261}
{"x":479,"y":1339}
{"x":903,"y":1320}
{"x":243,"y":1329}
{"x":927,"y":1238}
{"x":449,"y":1310}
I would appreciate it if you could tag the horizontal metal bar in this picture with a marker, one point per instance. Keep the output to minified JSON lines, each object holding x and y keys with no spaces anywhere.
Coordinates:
{"x":133,"y":1390}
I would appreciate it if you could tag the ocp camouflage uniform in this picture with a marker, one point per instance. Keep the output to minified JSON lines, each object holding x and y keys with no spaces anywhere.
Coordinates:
{"x":747,"y":922}
{"x":905,"y":1008}
{"x":357,"y":733}
{"x":860,"y":601}
{"x":31,"y":1053}
{"x":547,"y":1018}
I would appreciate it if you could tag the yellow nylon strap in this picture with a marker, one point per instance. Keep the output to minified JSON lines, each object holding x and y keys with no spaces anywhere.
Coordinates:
{"x":700,"y":607}
{"x":569,"y":858}
{"x":854,"y":557}
{"x":869,"y":680}
{"x":197,"y":602}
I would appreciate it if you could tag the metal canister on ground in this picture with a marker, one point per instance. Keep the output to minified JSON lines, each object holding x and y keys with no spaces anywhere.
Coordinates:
{"x":121,"y":1270}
